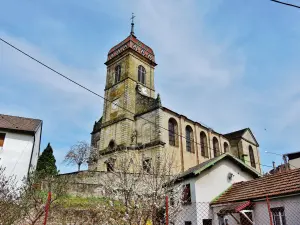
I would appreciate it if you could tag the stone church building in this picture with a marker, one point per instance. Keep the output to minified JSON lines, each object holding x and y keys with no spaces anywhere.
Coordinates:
{"x":133,"y":118}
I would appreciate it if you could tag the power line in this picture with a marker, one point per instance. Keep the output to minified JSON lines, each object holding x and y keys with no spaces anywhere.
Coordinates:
{"x":285,"y":3}
{"x":105,"y":99}
{"x":87,"y":89}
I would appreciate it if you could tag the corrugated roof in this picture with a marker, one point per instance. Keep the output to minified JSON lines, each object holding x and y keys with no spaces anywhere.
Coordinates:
{"x":272,"y":185}
{"x":19,"y":123}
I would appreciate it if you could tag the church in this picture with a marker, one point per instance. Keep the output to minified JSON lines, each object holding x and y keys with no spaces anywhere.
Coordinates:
{"x":134,"y":118}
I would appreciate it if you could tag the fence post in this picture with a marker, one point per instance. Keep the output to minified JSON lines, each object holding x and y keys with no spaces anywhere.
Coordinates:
{"x":167,"y":210}
{"x":269,"y":210}
{"x":47,"y":207}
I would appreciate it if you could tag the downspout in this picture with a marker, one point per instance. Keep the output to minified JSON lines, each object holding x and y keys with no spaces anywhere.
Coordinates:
{"x":239,"y":151}
{"x":181,"y":147}
{"x":31,"y":155}
{"x":220,"y":151}
{"x":41,"y":126}
{"x":197,"y":154}
{"x":209,"y":143}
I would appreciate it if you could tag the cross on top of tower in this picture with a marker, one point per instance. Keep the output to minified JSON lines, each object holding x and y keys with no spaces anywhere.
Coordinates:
{"x":132,"y":24}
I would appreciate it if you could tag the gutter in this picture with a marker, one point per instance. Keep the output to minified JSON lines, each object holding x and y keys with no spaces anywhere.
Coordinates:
{"x":276,"y":197}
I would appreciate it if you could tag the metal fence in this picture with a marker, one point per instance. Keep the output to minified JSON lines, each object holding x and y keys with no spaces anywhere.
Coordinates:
{"x":263,"y":212}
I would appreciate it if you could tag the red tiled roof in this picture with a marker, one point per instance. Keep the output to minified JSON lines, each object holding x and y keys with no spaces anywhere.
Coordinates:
{"x":131,"y":42}
{"x":19,"y":123}
{"x":272,"y":185}
{"x":235,"y":207}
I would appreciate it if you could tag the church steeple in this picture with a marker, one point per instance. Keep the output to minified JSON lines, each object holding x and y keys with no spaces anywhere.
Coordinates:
{"x":131,"y":43}
{"x":132,"y":24}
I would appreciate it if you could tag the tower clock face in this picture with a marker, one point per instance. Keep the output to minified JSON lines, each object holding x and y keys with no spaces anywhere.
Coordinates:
{"x":114,"y":105}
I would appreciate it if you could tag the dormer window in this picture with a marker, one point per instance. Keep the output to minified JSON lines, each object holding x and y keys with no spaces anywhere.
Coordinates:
{"x":117,"y":74}
{"x":141,"y":74}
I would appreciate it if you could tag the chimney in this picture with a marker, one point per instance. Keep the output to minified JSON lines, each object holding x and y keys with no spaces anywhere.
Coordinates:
{"x":274,"y":166}
{"x":286,"y":164}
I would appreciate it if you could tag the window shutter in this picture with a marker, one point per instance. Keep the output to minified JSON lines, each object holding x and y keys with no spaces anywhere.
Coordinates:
{"x":2,"y":137}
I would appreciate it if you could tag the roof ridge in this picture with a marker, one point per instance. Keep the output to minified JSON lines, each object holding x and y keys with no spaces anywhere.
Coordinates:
{"x":21,"y":117}
{"x":244,"y":129}
{"x":280,"y":184}
{"x":273,"y":176}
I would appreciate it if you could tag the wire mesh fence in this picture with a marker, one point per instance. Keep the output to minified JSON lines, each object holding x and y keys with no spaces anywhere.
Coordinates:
{"x":264,"y":212}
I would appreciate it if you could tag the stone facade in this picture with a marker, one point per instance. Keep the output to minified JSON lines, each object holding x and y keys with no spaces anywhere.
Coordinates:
{"x":134,"y":119}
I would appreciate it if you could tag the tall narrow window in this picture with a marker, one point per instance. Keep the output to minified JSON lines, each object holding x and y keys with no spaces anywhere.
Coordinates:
{"x":173,"y":132}
{"x":186,"y":195}
{"x":226,"y":147}
{"x":141,"y":74}
{"x":278,"y":216}
{"x":251,"y":155}
{"x":2,"y":137}
{"x":117,"y":74}
{"x":147,"y":165}
{"x":110,"y":165}
{"x":203,"y":144}
{"x":216,"y":147}
{"x":189,"y":139}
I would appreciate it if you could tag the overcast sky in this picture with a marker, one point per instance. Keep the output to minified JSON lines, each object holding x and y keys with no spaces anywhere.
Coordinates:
{"x":228,"y":64}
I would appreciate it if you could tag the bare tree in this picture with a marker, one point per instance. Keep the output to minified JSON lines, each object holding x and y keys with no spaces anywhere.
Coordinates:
{"x":24,"y":202}
{"x":33,"y":198}
{"x":79,"y":154}
{"x":139,"y":185}
{"x":9,"y":198}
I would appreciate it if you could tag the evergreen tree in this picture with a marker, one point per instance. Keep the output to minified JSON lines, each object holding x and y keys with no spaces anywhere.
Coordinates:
{"x":46,"y":162}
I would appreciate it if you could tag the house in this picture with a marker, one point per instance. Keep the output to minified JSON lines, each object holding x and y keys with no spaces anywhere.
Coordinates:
{"x":272,"y":199}
{"x":19,"y":144}
{"x":205,"y":182}
{"x":292,"y":159}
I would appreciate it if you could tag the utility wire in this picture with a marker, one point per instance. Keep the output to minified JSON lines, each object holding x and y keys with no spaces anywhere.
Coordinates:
{"x":105,"y":99}
{"x":89,"y":90}
{"x":285,"y":3}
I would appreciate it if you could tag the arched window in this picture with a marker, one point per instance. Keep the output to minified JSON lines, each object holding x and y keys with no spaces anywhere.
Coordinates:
{"x":189,"y":139}
{"x":251,"y":155}
{"x":216,"y":147}
{"x":117,"y":74}
{"x":203,"y":144}
{"x":141,"y":74}
{"x":226,"y":147}
{"x":173,"y":132}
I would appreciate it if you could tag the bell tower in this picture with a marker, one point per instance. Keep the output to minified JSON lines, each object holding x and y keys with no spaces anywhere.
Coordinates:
{"x":130,"y":69}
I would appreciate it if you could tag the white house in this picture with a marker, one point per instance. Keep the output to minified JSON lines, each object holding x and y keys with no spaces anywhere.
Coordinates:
{"x":205,"y":182}
{"x":19,"y":144}
{"x":272,"y":199}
